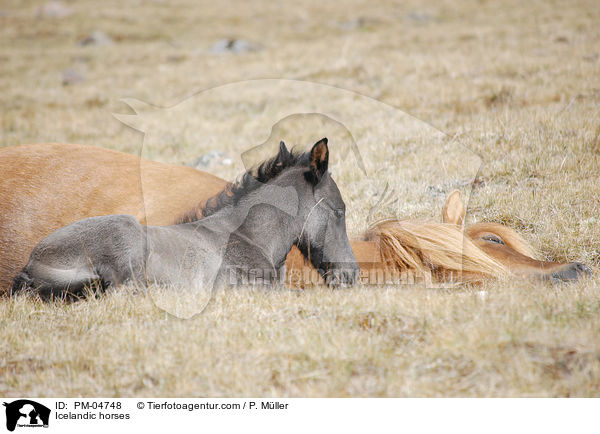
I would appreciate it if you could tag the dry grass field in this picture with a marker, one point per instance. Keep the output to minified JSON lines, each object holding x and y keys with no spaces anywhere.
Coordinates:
{"x":516,"y":81}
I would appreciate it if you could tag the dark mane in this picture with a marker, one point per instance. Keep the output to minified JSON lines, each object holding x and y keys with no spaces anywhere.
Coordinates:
{"x":247,"y":183}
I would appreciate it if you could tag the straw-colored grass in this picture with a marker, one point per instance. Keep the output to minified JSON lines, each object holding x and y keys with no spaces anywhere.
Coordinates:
{"x":517,"y":82}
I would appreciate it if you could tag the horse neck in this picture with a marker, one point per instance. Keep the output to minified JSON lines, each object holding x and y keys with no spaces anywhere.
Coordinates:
{"x":266,"y":219}
{"x":270,"y":230}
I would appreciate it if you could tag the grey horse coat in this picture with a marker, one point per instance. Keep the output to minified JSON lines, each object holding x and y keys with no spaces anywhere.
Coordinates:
{"x":244,"y":236}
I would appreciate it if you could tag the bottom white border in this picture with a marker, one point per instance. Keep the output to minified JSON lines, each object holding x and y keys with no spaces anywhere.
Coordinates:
{"x":72,"y":415}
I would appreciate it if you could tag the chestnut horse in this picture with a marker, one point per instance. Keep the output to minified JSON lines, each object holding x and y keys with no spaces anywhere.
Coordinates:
{"x":47,"y":186}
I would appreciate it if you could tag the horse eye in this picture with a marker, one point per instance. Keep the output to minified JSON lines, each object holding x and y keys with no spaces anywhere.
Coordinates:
{"x":492,"y":239}
{"x":339,"y":213}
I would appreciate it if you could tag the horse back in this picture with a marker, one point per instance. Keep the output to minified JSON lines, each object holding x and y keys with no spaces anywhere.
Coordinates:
{"x":46,"y":186}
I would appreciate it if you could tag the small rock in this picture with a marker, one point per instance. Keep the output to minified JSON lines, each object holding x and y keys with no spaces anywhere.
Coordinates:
{"x":97,"y":37}
{"x":435,"y":190}
{"x":590,"y":221}
{"x":358,"y":23}
{"x":81,"y":59}
{"x":212,"y":159}
{"x":175,"y":58}
{"x":417,"y":17}
{"x":236,"y":46}
{"x":353,"y":24}
{"x":71,"y":76}
{"x":53,"y":9}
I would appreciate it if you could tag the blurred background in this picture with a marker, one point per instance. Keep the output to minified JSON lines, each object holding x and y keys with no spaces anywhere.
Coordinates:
{"x":517,"y":81}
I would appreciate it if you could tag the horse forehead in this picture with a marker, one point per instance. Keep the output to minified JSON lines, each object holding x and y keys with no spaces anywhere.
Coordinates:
{"x":328,"y":189}
{"x":502,"y":251}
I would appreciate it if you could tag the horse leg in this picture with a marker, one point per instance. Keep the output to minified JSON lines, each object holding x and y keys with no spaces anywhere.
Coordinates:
{"x":52,"y":282}
{"x":107,"y":250}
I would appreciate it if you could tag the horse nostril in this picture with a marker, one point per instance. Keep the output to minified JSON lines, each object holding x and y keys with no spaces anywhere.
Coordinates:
{"x":571,"y":272}
{"x":341,"y":278}
{"x":582,"y":268}
{"x":350,"y":277}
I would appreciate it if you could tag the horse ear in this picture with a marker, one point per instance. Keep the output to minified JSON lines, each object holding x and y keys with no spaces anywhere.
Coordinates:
{"x":318,"y":160}
{"x":283,"y":155}
{"x":283,"y":150}
{"x":454,"y":210}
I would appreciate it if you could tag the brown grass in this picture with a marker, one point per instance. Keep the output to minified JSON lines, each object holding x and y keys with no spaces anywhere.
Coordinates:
{"x":516,"y":81}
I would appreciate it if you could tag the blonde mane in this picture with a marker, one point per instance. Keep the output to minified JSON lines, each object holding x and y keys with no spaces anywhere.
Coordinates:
{"x":441,"y":249}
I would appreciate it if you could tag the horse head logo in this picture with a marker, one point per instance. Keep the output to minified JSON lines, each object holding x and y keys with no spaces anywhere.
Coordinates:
{"x":375,"y":146}
{"x":24,"y":412}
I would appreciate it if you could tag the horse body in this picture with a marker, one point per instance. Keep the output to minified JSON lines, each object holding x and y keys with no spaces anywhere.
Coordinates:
{"x":248,"y":230}
{"x":47,"y":186}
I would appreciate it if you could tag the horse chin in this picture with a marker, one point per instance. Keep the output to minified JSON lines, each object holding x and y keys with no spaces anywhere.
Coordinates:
{"x":340,"y":277}
{"x":570,"y":273}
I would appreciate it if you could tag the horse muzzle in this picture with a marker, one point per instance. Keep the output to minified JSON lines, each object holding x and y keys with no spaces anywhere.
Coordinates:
{"x":571,"y":272}
{"x":342,"y":276}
